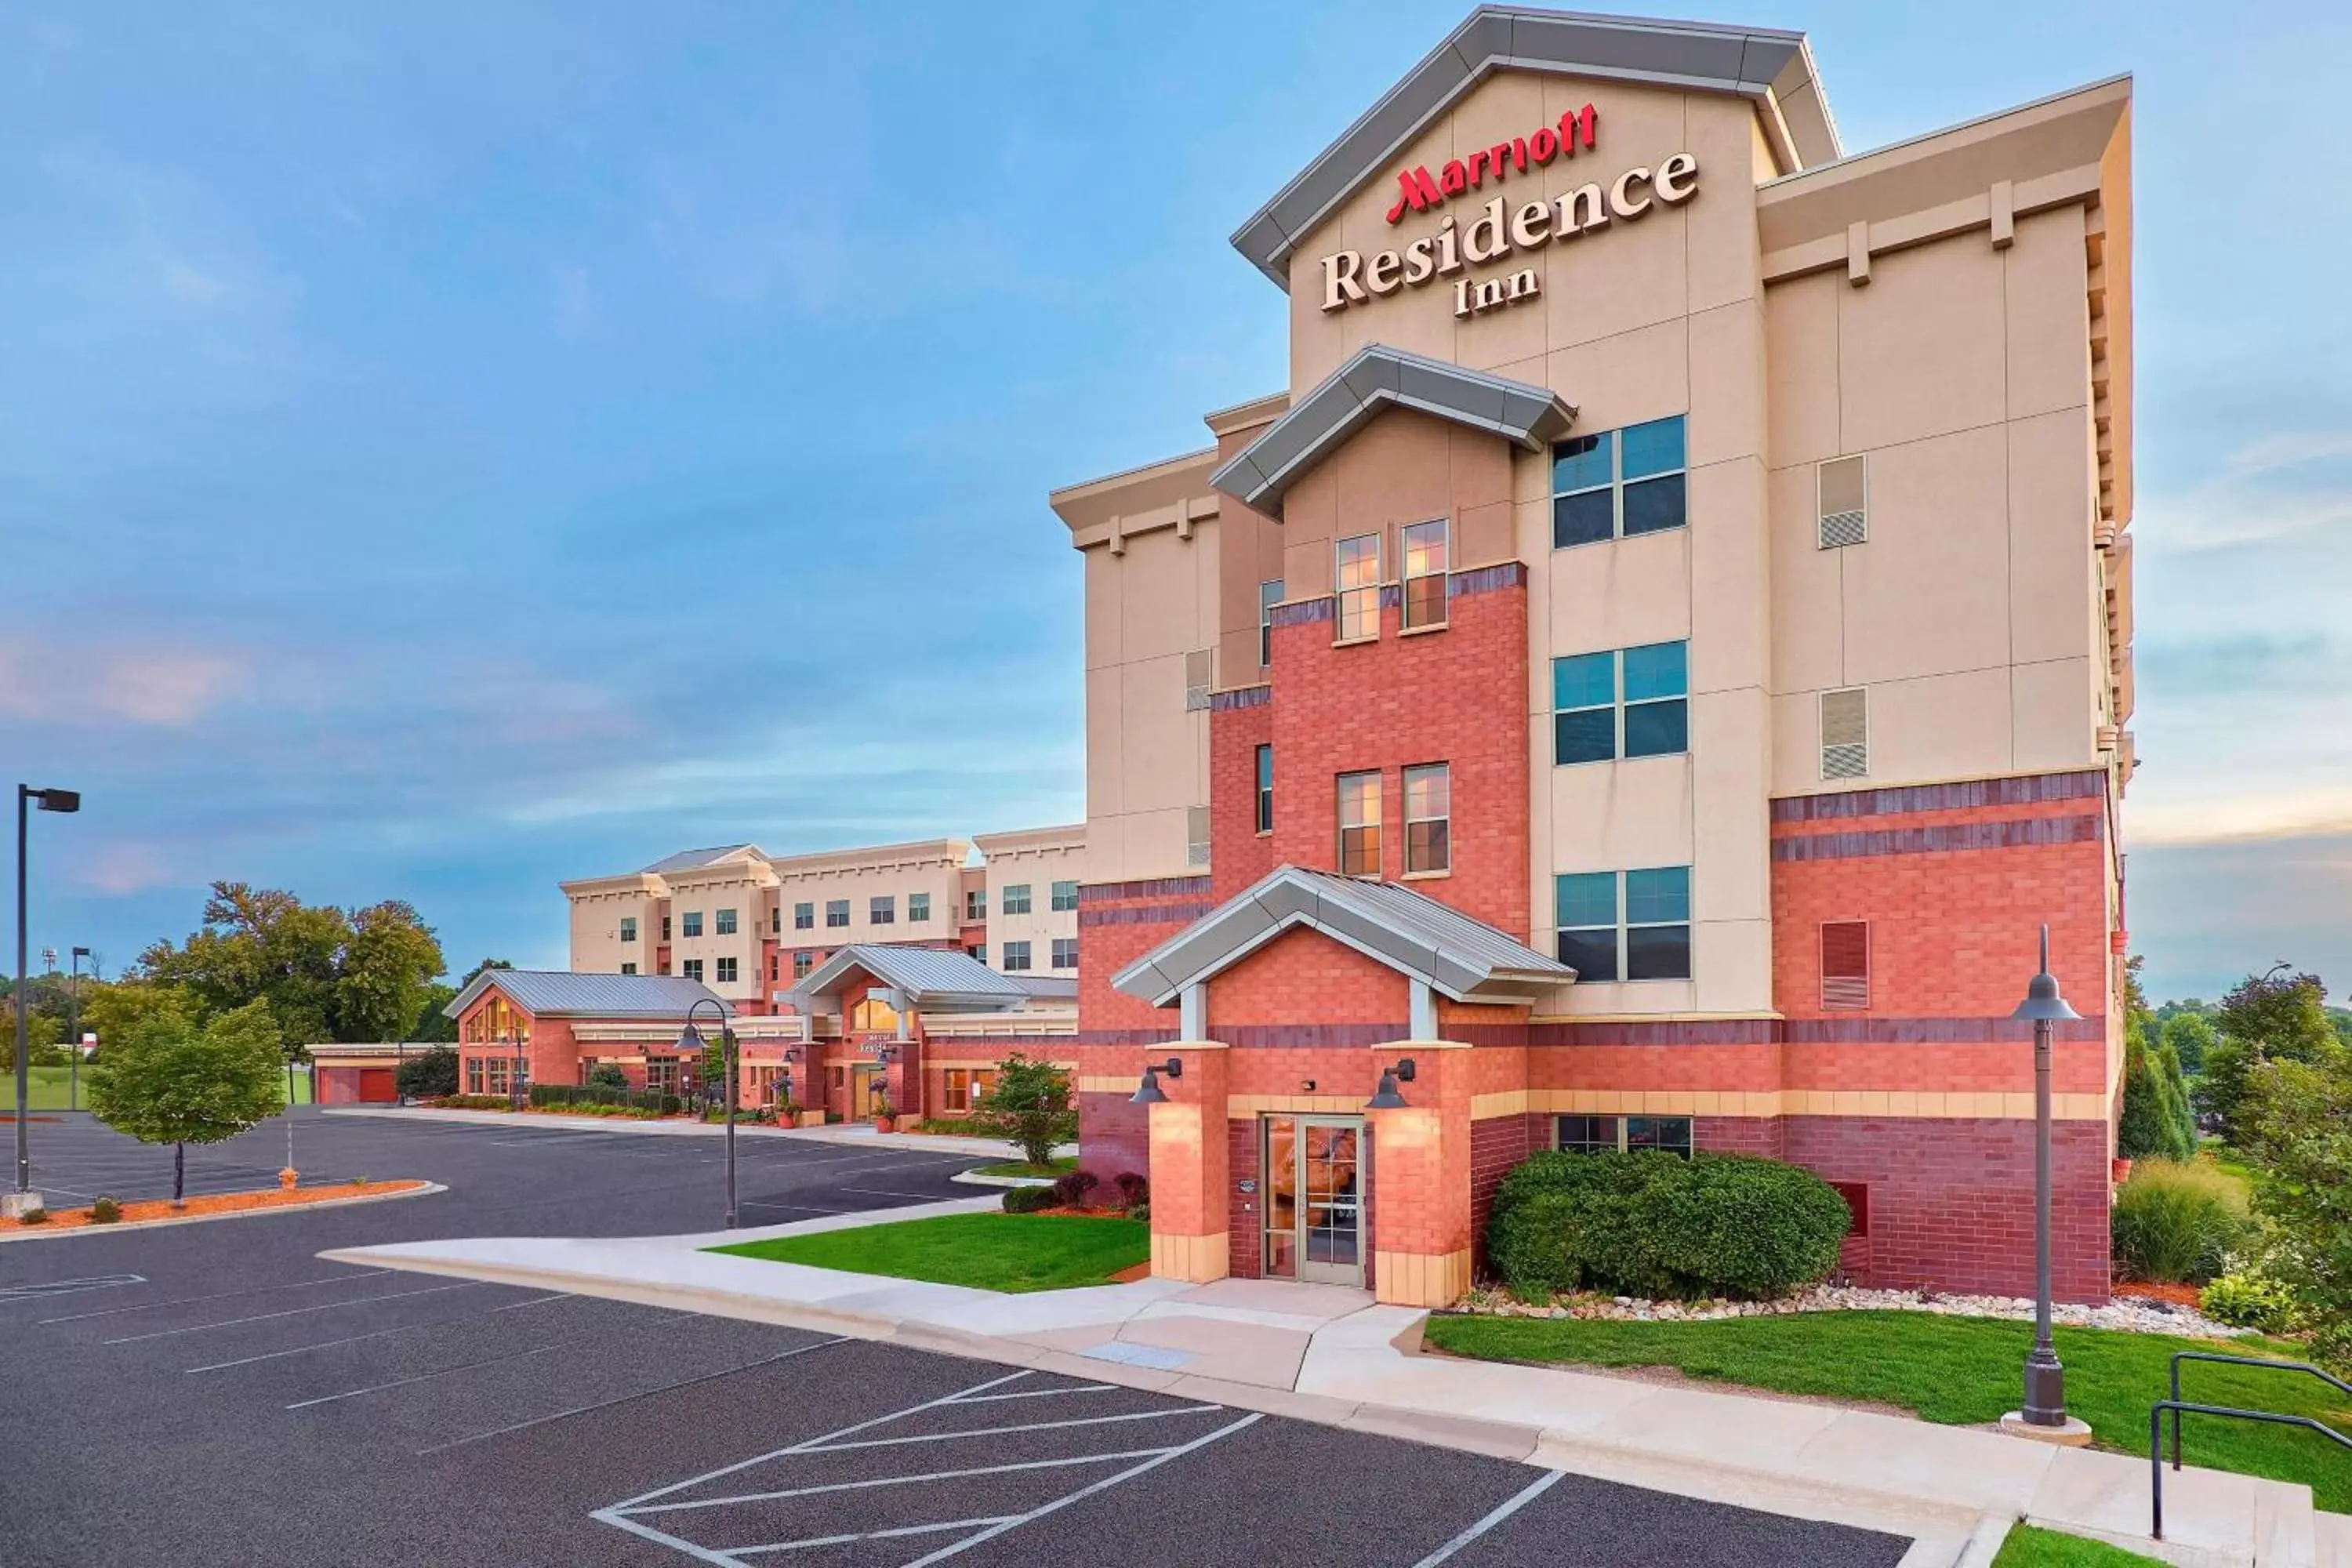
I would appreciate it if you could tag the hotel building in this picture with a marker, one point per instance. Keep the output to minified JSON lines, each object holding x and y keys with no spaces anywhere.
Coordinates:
{"x":1655,"y":667}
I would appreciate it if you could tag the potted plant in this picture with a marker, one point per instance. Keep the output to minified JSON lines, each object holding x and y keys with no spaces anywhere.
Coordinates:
{"x":885,"y":1118}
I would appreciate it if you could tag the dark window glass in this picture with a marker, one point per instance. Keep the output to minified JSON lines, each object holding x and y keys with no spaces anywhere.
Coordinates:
{"x":1266,"y":789}
{"x":1656,"y":729}
{"x":1580,"y":462}
{"x":1584,"y":518}
{"x":1425,"y":847}
{"x":1657,"y":953}
{"x":1588,"y":735}
{"x":1665,"y":1135}
{"x":1587,"y":1135}
{"x":1656,"y":448}
{"x":1654,"y":505}
{"x":1592,"y":954}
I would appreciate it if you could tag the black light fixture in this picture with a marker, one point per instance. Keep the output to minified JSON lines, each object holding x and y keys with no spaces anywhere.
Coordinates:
{"x":1386,"y":1096}
{"x":1147,"y":1092}
{"x":2046,"y":1379}
{"x":689,"y":1038}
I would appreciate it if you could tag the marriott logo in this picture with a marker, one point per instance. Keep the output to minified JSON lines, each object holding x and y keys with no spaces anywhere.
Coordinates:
{"x":1419,"y":193}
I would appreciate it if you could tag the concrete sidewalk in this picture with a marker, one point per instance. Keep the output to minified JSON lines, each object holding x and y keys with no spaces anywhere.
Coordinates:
{"x":859,"y":1133}
{"x":1327,"y":1354}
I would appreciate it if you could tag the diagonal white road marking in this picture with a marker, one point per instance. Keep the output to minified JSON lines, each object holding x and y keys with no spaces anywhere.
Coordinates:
{"x":290,"y":1312}
{"x":381,"y":1333}
{"x":1025,"y":1427}
{"x":420,"y":1377}
{"x":623,"y":1399}
{"x":903,"y":1530}
{"x":215,"y":1296}
{"x":894,"y":1480}
{"x":1508,"y":1507}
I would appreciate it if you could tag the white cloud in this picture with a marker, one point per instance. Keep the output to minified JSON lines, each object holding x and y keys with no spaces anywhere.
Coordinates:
{"x":64,"y":681}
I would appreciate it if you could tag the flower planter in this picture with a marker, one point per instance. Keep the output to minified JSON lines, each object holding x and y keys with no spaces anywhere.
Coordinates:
{"x":884,"y":1123}
{"x":2120,"y":1171}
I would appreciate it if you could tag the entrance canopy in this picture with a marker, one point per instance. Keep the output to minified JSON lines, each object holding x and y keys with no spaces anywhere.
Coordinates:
{"x":1437,"y":946}
{"x":930,"y":979}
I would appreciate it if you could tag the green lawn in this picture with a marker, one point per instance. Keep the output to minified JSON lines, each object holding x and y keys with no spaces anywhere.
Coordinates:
{"x":1014,"y":1252}
{"x":2027,"y":1547}
{"x":1960,"y":1371}
{"x":1055,"y":1167}
{"x":50,"y":1087}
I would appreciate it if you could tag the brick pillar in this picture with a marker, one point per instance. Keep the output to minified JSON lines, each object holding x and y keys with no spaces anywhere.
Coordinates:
{"x":1421,"y":1180}
{"x":1191,"y":1166}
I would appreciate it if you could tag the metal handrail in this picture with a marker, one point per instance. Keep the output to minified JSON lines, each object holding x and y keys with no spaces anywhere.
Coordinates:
{"x":2156,"y":1442}
{"x":2259,"y":1362}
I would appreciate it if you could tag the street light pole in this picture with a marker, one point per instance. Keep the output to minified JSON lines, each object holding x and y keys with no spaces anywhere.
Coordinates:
{"x":73,"y":1033}
{"x":2043,"y":1411}
{"x":61,"y":800}
{"x":690,"y":1039}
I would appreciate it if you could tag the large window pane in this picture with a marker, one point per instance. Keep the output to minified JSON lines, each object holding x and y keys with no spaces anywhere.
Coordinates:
{"x":1657,"y":729}
{"x":1665,"y":1135}
{"x":1584,"y":680}
{"x":1588,"y":899}
{"x":1656,"y":448}
{"x":1580,"y":463}
{"x":1656,"y":670}
{"x":1584,"y":518}
{"x":1587,"y":1135}
{"x":1588,"y":735}
{"x":1654,"y":505}
{"x":1657,"y":953}
{"x":1592,"y":954}
{"x":1662,"y":894}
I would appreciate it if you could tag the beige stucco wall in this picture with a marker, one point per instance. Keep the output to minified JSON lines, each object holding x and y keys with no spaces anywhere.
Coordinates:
{"x":596,"y":912}
{"x":860,"y":876}
{"x":1037,"y":859}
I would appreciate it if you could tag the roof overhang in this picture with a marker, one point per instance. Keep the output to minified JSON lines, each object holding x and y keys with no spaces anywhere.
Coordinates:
{"x":1456,"y":955}
{"x":1374,"y":380}
{"x":821,"y":989}
{"x":1772,"y":67}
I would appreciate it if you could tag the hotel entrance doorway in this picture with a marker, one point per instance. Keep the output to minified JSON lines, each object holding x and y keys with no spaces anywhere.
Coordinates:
{"x":1315,"y":1170}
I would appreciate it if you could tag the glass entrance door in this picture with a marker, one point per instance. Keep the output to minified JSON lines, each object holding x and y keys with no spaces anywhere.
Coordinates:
{"x":1314,"y":1198}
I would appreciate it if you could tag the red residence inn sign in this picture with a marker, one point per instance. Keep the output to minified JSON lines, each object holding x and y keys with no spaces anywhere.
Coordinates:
{"x":1500,"y":229}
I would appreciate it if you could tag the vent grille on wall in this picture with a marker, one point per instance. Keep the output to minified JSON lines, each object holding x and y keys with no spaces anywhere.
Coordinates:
{"x":1200,"y":674}
{"x":1844,"y":503}
{"x":1845,"y":734}
{"x":1845,"y":963}
{"x":1196,"y":836}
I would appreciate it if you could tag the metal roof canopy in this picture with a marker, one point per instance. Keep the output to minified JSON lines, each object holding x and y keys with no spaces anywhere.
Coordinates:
{"x":1375,"y":379}
{"x":1461,"y":958}
{"x":933,"y":981}
{"x":557,"y":992}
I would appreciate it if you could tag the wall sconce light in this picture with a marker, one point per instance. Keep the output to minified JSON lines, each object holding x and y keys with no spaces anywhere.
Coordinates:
{"x":1148,"y":1091}
{"x":1307,"y":1086}
{"x":1386,"y":1096}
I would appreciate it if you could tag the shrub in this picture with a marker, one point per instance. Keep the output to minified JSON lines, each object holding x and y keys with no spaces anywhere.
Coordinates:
{"x":1029,"y":1105}
{"x":1140,"y":1211}
{"x":34,"y":1216}
{"x":428,"y":1074}
{"x":1071,"y":1187}
{"x":1651,"y":1225}
{"x":608,"y":1076}
{"x":105,"y":1211}
{"x":2297,"y":1115}
{"x":2176,"y":1222}
{"x":671,"y":1104}
{"x":1134,"y":1189}
{"x":2248,"y":1301}
{"x":1027,"y":1200}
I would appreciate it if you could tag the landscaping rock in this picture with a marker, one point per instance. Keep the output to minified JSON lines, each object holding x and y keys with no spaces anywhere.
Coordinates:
{"x":2132,"y":1314}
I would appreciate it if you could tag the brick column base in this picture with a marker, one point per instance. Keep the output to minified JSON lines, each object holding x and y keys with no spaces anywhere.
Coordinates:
{"x":1190,"y":1168}
{"x":1421,"y":1205}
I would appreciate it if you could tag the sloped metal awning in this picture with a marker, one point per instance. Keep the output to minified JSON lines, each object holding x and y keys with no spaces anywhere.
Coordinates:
{"x":1453,"y":954}
{"x":1375,"y":379}
{"x":933,"y":981}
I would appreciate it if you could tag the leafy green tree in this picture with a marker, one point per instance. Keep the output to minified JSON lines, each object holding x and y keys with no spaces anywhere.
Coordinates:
{"x":2283,"y":1017}
{"x":170,"y":1081}
{"x":2151,"y":1122}
{"x":2298,"y":1135}
{"x":383,"y":970}
{"x":1029,"y":1105}
{"x":327,"y":973}
{"x":2191,"y":1036}
{"x":2220,"y":1089}
{"x":2179,"y":1111}
{"x":610,"y":1075}
{"x":476,"y":973}
{"x":428,"y":1075}
{"x":432,"y":1023}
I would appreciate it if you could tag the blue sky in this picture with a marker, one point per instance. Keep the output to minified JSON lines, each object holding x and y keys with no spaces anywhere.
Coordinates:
{"x":443,"y":450}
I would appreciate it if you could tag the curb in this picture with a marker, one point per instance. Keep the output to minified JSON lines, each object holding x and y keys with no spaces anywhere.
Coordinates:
{"x":974,"y":1179}
{"x":38,"y":1233}
{"x":993,"y":1151}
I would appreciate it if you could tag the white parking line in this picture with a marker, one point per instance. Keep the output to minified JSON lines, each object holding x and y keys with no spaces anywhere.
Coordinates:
{"x":898,"y":1481}
{"x":1036,"y":1394}
{"x":378,"y":1334}
{"x":215,"y":1296}
{"x":1510,"y":1506}
{"x":998,"y":1519}
{"x":887,"y":1193}
{"x":11,"y":1294}
{"x":623,"y":1399}
{"x":292,"y":1312}
{"x":420,"y":1377}
{"x":1025,"y":1427}
{"x":799,"y":1208}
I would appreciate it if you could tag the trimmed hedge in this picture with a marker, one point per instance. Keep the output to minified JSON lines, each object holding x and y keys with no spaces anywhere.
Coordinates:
{"x":1027,"y":1200}
{"x":1651,"y":1225}
{"x":583,"y":1095}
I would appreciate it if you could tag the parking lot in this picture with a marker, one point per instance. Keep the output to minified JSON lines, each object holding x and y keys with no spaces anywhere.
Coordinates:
{"x":217,"y":1393}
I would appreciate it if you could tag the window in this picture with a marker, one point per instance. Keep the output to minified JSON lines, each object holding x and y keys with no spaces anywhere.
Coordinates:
{"x":1617,"y":483}
{"x":1631,"y":703}
{"x":473,"y":1075}
{"x":774,"y":969}
{"x":804,"y":916}
{"x":776,"y":919}
{"x":1266,"y":789}
{"x":1428,"y":811}
{"x":1845,"y":733}
{"x":1016,"y":956}
{"x":1066,"y":895}
{"x":966,"y":1089}
{"x":628,"y":969}
{"x":1357,"y":574}
{"x":628,"y":928}
{"x":977,"y":952}
{"x":1844,"y":492}
{"x":694,"y":922}
{"x":1845,"y":963}
{"x":803,"y":961}
{"x":836,"y":911}
{"x":1608,"y":1134}
{"x":726,"y":923}
{"x":1650,"y":942}
{"x":498,"y":1074}
{"x":883,"y":910}
{"x":1200,"y":675}
{"x":1065,"y":952}
{"x":975,"y":905}
{"x":1015,"y":897}
{"x":918,"y":909}
{"x":1360,"y":824}
{"x":664,"y":928}
{"x":874,"y":1014}
{"x":1425,"y":575}
{"x":1269,"y":594}
{"x":727,"y":971}
{"x":661,"y":1074}
{"x":1196,"y":836}
{"x":692,"y":968}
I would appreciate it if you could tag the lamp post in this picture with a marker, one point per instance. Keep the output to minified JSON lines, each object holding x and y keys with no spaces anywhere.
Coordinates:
{"x":61,"y":800}
{"x":2043,"y":1413}
{"x":690,"y":1039}
{"x":73,"y":1033}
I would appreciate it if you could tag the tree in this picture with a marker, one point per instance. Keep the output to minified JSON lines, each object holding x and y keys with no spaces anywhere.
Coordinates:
{"x":2191,"y":1036}
{"x":2220,"y":1091}
{"x":2281,"y":1017}
{"x":432,"y":1022}
{"x":2180,"y":1112}
{"x":2153,"y":1123}
{"x":609,"y":1076}
{"x":428,"y":1075}
{"x":477,"y":971}
{"x":2298,"y":1133}
{"x":170,"y":1081}
{"x":327,"y":973}
{"x":1029,"y":1105}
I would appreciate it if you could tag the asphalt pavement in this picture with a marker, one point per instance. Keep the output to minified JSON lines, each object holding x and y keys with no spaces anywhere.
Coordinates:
{"x":217,"y":1393}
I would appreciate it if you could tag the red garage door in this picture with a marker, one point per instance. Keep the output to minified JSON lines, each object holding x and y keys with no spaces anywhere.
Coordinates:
{"x":376,"y":1085}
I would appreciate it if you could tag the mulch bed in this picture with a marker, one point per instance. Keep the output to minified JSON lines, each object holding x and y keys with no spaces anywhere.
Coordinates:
{"x":223,"y":1203}
{"x":9,"y":1116}
{"x":2171,"y":1295}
